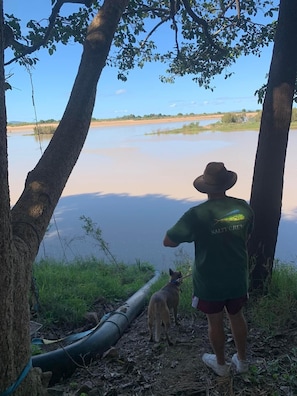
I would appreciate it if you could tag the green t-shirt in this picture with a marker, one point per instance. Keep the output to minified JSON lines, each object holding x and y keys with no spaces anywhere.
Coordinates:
{"x":220,"y":229}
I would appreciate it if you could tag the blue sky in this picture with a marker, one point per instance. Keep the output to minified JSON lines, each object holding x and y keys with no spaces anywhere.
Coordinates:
{"x":51,"y":81}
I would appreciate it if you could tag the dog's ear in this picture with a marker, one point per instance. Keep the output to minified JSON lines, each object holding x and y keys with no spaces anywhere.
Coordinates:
{"x":170,"y":271}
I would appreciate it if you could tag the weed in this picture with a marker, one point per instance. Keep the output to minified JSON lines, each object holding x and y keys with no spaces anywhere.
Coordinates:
{"x":95,"y":232}
{"x":36,"y":350}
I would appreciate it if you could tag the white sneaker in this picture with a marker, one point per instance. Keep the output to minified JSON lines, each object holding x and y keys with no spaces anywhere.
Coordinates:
{"x":242,"y":366}
{"x":211,"y":361}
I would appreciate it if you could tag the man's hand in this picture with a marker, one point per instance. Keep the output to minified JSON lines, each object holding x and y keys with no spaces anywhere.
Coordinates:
{"x":168,"y":242}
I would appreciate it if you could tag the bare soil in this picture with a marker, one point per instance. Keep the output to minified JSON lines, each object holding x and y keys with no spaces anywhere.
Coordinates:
{"x":135,"y":366}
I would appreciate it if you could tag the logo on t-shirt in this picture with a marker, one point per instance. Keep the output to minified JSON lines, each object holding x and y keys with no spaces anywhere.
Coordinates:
{"x":229,"y":222}
{"x":231,"y":217}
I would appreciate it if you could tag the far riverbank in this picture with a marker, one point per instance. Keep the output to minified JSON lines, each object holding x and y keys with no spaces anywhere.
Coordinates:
{"x":123,"y":122}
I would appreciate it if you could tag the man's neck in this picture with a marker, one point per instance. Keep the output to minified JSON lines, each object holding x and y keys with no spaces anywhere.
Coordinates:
{"x":217,"y":195}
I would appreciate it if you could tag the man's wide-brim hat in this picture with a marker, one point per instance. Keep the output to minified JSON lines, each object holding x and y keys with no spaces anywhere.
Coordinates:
{"x":216,"y":178}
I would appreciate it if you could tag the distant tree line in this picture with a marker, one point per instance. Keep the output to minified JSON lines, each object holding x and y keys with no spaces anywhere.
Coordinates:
{"x":234,"y":117}
{"x":238,"y":118}
{"x":227,"y":118}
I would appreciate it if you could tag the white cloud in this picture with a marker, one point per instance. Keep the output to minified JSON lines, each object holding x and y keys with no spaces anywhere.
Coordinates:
{"x":120,"y":91}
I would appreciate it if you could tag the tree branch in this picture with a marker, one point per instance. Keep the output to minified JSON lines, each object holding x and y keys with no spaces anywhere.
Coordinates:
{"x":26,"y":50}
{"x":174,"y":8}
{"x":238,"y":8}
{"x":201,"y":22}
{"x":153,"y":30}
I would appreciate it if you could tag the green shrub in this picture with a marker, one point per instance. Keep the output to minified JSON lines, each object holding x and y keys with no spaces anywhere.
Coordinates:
{"x":229,"y":118}
{"x":44,"y":130}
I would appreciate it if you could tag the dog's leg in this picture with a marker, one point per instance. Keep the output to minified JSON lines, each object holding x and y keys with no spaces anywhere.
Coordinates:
{"x":175,"y":315}
{"x":150,"y":326}
{"x":150,"y":323}
{"x":166,"y":322}
{"x":158,"y":324}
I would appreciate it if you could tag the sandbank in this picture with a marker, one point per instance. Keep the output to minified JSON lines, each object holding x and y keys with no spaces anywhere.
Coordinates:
{"x":105,"y":123}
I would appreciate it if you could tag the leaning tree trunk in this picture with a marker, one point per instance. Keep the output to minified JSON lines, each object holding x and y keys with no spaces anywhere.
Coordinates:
{"x":23,"y":228}
{"x":267,"y":187}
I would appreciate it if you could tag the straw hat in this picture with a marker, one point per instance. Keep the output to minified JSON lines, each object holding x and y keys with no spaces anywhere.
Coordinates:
{"x":216,"y":178}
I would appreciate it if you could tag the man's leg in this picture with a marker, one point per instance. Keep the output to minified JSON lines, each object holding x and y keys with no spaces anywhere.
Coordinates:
{"x":239,"y":331}
{"x":216,"y":335}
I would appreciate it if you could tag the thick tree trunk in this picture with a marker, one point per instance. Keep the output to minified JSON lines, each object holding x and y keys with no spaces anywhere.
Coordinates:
{"x":267,"y":188}
{"x":23,"y":228}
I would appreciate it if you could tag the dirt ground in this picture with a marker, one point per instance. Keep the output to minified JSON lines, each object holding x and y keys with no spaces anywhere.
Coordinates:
{"x":135,"y":366}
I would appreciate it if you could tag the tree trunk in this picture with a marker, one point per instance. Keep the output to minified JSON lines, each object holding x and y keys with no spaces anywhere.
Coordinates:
{"x":23,"y":227}
{"x":267,"y":187}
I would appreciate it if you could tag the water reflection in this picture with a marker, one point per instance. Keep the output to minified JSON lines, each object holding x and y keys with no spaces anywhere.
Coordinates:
{"x":43,"y":137}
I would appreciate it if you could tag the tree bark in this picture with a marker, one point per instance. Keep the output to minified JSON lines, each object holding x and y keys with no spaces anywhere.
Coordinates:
{"x":23,"y":227}
{"x":268,"y":178}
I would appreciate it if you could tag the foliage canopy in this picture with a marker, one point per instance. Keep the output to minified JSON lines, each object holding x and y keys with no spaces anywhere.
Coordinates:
{"x":203,"y":38}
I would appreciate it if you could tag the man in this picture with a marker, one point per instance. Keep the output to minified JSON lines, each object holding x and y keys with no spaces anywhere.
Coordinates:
{"x":220,"y":228}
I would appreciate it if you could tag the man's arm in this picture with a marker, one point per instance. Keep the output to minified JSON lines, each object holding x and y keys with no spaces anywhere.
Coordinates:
{"x":168,"y":242}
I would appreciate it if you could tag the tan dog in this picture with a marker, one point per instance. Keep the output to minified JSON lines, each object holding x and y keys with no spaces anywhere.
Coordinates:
{"x":161,"y":303}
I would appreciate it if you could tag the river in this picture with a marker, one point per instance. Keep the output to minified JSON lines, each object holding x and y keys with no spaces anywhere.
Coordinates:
{"x":134,"y":185}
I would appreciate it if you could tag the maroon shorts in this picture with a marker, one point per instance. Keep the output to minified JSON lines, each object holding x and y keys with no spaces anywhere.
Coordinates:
{"x":233,"y":306}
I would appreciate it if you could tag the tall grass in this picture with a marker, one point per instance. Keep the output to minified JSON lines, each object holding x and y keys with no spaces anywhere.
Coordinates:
{"x":44,"y":130}
{"x":68,"y":291}
{"x":277,"y":309}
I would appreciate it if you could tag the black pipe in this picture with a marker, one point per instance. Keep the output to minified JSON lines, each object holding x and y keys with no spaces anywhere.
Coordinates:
{"x":64,"y":361}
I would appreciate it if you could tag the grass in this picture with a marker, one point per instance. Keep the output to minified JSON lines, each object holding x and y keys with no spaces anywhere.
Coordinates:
{"x":44,"y":130}
{"x":67,"y":291}
{"x":189,"y":129}
{"x":278,"y":307}
{"x":194,"y":128}
{"x":63,"y":293}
